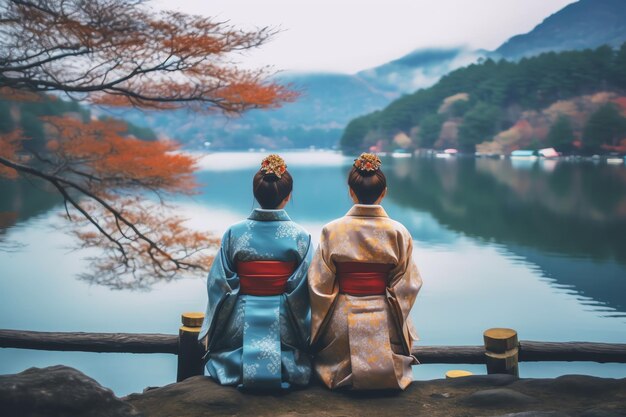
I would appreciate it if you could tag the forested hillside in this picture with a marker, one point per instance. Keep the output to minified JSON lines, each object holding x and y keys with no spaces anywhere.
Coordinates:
{"x":28,"y":116}
{"x":551,"y":99}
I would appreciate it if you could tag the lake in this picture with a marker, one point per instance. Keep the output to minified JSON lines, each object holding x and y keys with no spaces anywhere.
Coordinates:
{"x":536,"y":246}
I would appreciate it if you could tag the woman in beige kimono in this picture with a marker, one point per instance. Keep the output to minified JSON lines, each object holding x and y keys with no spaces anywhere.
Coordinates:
{"x":362,"y":285}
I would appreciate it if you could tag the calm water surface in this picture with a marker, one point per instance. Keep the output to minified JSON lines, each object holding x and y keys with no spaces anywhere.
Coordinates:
{"x":539,"y":247}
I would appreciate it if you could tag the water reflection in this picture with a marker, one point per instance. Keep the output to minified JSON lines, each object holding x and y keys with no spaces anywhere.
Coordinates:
{"x":538,"y":248}
{"x":576,"y":210}
{"x":567,"y":218}
{"x":21,"y":200}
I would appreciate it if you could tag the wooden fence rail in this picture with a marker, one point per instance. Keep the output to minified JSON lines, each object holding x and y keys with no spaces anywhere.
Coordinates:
{"x":529,"y":351}
{"x":499,"y":359}
{"x":572,"y":352}
{"x":90,"y":342}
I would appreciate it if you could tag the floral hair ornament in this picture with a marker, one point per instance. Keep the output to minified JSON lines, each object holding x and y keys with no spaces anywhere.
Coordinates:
{"x":367,"y":162}
{"x":273,"y":164}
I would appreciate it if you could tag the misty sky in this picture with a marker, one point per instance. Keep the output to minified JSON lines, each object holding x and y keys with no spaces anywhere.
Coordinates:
{"x":352,"y":35}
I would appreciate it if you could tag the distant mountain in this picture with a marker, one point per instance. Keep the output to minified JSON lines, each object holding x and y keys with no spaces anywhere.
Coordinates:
{"x":419,"y":69}
{"x":328,"y":102}
{"x":580,"y":25}
{"x":317,"y":118}
{"x":503,"y":105}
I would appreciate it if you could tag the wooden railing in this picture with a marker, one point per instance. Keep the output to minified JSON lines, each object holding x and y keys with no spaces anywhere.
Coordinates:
{"x":529,"y":351}
{"x":500,"y":353}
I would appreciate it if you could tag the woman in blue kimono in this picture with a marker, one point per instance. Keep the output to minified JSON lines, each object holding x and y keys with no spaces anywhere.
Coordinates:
{"x":256,"y":326}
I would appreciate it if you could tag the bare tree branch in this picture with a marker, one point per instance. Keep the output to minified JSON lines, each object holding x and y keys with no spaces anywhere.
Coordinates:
{"x":124,"y":53}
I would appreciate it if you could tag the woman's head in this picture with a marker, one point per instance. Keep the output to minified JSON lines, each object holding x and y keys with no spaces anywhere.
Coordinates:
{"x":272,"y":184}
{"x":366,"y":180}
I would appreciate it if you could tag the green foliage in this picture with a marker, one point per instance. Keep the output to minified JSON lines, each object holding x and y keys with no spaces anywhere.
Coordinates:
{"x":31,"y":112}
{"x":561,"y":134}
{"x":144,"y":133}
{"x":459,"y":108}
{"x":32,"y":126}
{"x":530,"y":84}
{"x":605,"y":127}
{"x":618,"y":74}
{"x":479,"y":124}
{"x":430,"y":128}
{"x":354,"y":133}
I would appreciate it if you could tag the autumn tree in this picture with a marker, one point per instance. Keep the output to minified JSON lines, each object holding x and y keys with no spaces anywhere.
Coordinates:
{"x":531,"y":83}
{"x":122,"y":53}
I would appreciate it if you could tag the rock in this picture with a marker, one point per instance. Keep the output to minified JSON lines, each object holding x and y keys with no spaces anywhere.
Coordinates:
{"x":58,"y":391}
{"x":601,"y":413}
{"x":499,"y":397}
{"x":61,"y":391}
{"x":585,"y":385}
{"x":201,"y":396}
{"x":575,"y":385}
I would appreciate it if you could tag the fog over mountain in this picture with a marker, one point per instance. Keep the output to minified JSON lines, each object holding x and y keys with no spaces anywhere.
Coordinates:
{"x":330,"y":100}
{"x":419,"y":69}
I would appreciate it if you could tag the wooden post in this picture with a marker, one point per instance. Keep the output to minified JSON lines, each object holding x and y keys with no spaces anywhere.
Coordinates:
{"x":501,"y":351}
{"x":190,"y":351}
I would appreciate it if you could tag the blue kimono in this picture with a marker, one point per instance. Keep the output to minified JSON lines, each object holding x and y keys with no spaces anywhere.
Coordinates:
{"x":259,"y":341}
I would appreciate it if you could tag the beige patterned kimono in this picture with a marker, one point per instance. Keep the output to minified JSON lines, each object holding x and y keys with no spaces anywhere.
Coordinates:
{"x":363,"y":342}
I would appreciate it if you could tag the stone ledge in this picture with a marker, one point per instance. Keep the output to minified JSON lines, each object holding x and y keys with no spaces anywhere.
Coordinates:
{"x":63,"y":391}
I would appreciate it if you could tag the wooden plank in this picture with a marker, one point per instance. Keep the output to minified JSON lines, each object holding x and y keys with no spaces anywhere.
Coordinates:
{"x":449,"y":354}
{"x":90,"y":342}
{"x":529,"y":351}
{"x":572,"y":351}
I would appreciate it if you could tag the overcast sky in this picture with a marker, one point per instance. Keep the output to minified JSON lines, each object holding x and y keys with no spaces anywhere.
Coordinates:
{"x":352,"y":35}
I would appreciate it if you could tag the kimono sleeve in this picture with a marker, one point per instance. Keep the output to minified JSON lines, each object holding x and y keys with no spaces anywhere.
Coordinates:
{"x":322,"y":289}
{"x":297,"y":293}
{"x":403,"y":288}
{"x":222,"y":290}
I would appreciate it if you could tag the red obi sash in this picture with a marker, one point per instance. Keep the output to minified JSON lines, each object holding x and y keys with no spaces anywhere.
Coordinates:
{"x":360,"y":278}
{"x":264,"y":277}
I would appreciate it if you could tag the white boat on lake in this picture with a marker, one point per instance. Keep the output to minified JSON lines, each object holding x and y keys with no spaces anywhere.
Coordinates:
{"x":524,"y":154}
{"x":549,"y":153}
{"x":447,"y":153}
{"x":615,"y":160}
{"x":400,"y":153}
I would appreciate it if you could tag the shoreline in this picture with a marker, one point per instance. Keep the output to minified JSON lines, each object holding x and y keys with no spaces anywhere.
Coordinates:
{"x":336,"y":156}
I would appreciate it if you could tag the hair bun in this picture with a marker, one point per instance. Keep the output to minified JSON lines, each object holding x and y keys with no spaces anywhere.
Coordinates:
{"x":273,"y":166}
{"x":367,"y":163}
{"x":270,"y":177}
